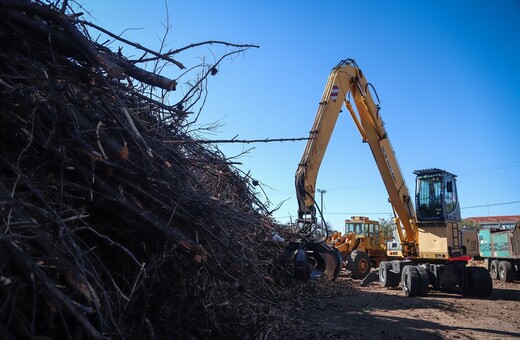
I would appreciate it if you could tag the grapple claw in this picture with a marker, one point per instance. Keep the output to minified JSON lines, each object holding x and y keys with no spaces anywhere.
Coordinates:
{"x":311,"y":260}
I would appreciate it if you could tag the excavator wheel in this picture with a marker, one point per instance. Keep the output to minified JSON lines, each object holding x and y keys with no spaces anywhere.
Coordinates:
{"x":411,"y":281}
{"x":479,"y":282}
{"x":387,"y":278}
{"x":384,"y":274}
{"x":358,"y":264}
{"x":424,"y":281}
{"x":487,"y":282}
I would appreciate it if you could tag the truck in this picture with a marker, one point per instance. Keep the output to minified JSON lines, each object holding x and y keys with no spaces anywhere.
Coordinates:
{"x":501,"y":251}
{"x":434,"y":253}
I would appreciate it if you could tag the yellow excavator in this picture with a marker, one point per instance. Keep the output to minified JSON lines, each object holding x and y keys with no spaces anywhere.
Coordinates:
{"x":435,"y":250}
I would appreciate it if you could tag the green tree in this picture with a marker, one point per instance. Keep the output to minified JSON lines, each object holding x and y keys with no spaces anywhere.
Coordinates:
{"x":387,"y":226}
{"x":467,"y":223}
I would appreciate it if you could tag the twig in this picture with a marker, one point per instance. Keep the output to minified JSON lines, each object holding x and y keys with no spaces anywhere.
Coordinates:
{"x":49,"y":289}
{"x":136,"y":45}
{"x":99,"y":125}
{"x":212,"y":42}
{"x":222,"y":141}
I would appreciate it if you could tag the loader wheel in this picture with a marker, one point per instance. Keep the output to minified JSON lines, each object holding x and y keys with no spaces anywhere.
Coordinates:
{"x":358,"y":264}
{"x":493,"y":269}
{"x":505,"y":271}
{"x":411,"y":281}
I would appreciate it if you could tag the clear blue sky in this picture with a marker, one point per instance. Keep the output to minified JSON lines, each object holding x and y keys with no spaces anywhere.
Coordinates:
{"x":447,"y":74}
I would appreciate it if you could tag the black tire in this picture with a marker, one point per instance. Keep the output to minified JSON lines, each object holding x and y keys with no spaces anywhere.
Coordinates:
{"x":424,"y":281}
{"x":358,"y":264}
{"x":493,"y":269}
{"x":411,"y":281}
{"x":506,"y":272}
{"x":396,"y":279}
{"x":487,"y":282}
{"x":475,"y":283}
{"x":385,"y":276}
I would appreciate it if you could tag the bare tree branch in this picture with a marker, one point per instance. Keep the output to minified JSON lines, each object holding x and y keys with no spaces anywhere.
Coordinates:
{"x":240,"y":141}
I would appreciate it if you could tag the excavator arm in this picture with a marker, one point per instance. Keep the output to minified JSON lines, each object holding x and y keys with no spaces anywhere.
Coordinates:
{"x":347,"y":82}
{"x":319,"y":136}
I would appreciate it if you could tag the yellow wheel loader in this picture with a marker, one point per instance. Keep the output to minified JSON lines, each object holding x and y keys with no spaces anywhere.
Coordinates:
{"x":362,"y":245}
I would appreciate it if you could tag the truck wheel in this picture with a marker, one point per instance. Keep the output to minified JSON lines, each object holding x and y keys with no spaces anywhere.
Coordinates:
{"x":505,"y":271}
{"x":493,"y":269}
{"x":411,"y":281}
{"x":424,"y":281}
{"x":358,"y":264}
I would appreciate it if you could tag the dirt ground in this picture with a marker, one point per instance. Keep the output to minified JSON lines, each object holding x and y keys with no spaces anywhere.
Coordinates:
{"x":373,"y":312}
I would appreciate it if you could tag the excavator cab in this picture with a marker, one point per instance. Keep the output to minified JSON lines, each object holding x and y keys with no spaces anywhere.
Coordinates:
{"x":436,"y":196}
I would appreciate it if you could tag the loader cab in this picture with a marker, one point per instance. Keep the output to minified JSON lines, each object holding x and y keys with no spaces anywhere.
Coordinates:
{"x":436,"y":196}
{"x":361,"y":226}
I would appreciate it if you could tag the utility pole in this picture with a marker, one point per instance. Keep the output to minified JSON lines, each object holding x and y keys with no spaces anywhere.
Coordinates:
{"x":321,"y":191}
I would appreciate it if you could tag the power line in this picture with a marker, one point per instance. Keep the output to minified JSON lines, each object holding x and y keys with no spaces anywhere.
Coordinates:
{"x":490,"y":205}
{"x":344,"y":213}
{"x":390,"y":213}
{"x":374,"y":185}
{"x":490,"y":168}
{"x":359,"y":213}
{"x":339,"y":188}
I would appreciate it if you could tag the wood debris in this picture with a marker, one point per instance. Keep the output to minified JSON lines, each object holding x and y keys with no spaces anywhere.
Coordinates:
{"x":108,"y":230}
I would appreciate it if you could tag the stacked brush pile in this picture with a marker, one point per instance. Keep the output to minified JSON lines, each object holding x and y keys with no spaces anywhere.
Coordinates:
{"x":115,"y":222}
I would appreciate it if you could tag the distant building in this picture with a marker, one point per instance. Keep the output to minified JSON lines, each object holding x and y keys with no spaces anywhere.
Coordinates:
{"x":496,"y":222}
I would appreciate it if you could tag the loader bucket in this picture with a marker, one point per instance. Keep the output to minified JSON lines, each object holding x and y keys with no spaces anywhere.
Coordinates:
{"x":306,"y":260}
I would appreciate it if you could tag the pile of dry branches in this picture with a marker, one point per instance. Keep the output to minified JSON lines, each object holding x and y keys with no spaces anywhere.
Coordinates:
{"x":107,"y":229}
